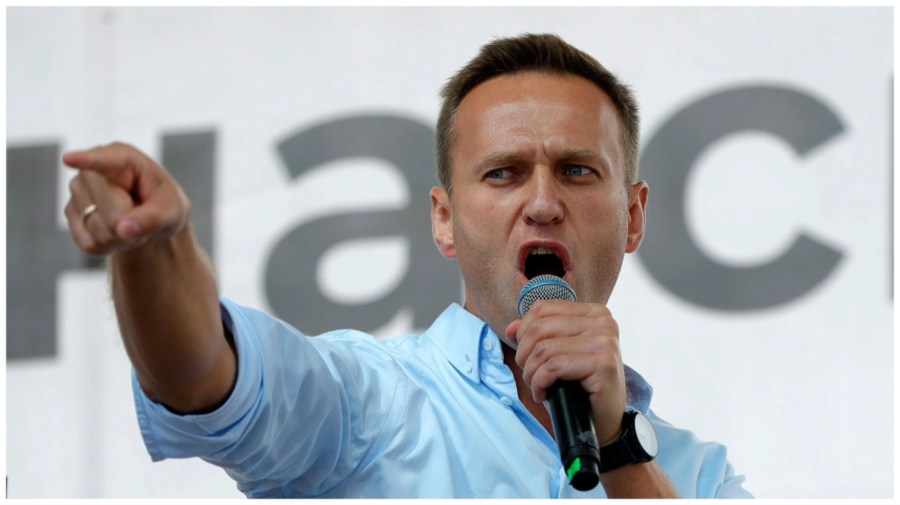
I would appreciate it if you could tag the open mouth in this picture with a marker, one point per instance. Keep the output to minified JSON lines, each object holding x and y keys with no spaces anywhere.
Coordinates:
{"x":541,"y":261}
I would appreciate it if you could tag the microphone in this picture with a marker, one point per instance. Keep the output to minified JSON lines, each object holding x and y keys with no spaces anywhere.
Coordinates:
{"x":570,"y":408}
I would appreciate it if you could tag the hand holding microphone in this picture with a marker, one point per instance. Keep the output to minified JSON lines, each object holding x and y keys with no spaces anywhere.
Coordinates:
{"x":569,"y":355}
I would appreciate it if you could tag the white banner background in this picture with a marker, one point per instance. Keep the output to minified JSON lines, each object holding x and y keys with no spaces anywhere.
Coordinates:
{"x":800,"y":393}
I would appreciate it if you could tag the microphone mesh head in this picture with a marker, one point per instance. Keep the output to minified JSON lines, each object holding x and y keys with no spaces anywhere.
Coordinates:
{"x":544,"y":287}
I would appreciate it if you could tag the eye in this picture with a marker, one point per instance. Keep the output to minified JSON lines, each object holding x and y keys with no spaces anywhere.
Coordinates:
{"x":577,"y":170}
{"x":498,"y":174}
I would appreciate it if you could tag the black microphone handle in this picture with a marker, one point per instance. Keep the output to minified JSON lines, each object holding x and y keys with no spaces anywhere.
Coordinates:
{"x":570,"y":414}
{"x":569,"y":404}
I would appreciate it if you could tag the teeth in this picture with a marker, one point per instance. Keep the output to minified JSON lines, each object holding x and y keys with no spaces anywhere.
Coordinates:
{"x":541,"y":250}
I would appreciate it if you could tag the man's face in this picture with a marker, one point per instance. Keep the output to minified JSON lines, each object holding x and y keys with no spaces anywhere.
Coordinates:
{"x":538,"y":187}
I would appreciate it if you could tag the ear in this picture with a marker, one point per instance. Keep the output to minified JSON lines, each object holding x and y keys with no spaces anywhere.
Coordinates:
{"x":442,"y":222}
{"x":637,"y":215}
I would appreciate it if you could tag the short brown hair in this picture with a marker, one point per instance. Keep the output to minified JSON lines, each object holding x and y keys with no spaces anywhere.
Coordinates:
{"x":540,"y":53}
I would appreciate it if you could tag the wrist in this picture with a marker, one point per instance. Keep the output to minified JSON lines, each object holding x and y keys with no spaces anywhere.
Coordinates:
{"x":610,"y":439}
{"x":640,"y":480}
{"x":151,"y":250}
{"x":636,"y":443}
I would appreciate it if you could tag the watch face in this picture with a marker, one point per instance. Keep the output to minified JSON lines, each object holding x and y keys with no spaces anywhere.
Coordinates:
{"x":646,"y":435}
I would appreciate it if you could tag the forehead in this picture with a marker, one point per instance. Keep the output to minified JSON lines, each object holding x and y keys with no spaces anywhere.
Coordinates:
{"x":536,"y":113}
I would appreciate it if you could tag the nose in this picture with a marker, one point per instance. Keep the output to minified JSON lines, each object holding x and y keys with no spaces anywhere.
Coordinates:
{"x":543,"y":204}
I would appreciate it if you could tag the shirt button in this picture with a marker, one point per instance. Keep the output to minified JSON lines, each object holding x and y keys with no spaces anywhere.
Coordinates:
{"x":505,"y":401}
{"x":488,"y":344}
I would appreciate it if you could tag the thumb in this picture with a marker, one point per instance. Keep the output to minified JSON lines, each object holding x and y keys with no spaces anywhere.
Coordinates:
{"x":129,"y":227}
{"x":511,"y":331}
{"x":153,"y":218}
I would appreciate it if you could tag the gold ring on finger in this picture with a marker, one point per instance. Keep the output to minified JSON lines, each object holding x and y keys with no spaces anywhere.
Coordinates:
{"x":87,"y":213}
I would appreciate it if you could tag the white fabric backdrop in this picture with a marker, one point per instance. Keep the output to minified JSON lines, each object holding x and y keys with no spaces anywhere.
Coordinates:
{"x":801,"y":393}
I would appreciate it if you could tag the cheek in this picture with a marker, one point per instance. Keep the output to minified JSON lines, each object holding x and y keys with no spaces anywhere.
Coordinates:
{"x":471,"y":233}
{"x":481,"y":244}
{"x":607,"y":221}
{"x":481,"y":219}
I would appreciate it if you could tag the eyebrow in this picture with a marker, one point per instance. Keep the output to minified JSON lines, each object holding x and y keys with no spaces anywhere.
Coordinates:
{"x":498,"y":158}
{"x":583,"y":154}
{"x":506,"y":157}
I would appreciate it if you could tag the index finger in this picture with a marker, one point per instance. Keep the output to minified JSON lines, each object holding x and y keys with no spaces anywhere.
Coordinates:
{"x":112,"y":158}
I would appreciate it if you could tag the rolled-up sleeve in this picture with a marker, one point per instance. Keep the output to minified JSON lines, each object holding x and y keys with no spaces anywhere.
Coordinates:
{"x":290,"y":417}
{"x":698,"y":469}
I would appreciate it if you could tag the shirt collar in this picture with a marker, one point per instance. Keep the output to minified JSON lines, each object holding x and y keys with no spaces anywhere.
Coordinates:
{"x":458,"y":334}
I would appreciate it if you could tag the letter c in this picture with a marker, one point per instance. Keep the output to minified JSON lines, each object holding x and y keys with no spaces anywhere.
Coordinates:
{"x":669,"y":252}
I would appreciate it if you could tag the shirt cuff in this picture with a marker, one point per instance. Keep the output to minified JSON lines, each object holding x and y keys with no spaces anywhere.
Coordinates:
{"x":170,"y":435}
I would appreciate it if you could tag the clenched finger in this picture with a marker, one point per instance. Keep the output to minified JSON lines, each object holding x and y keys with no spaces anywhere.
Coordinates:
{"x":551,"y":358}
{"x":93,"y":212}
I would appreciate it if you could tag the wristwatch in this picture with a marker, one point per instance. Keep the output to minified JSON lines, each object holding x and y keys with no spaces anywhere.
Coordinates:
{"x":637,"y":443}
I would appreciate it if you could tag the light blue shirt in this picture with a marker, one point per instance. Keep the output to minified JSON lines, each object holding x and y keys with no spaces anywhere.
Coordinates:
{"x":432,"y":415}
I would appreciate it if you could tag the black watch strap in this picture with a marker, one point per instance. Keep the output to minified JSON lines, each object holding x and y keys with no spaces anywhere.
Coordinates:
{"x":626,"y":450}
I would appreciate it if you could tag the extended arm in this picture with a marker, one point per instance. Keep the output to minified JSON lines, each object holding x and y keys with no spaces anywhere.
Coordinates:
{"x":163,"y":285}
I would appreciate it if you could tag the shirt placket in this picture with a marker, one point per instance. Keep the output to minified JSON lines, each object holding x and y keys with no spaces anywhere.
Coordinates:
{"x":497,"y":377}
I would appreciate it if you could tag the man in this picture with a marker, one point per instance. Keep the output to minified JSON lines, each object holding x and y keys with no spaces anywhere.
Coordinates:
{"x":537,"y":157}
